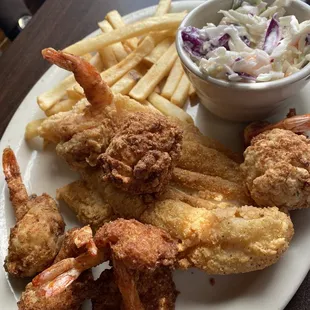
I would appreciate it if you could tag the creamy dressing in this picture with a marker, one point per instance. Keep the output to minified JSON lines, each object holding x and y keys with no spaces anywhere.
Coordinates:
{"x":253,"y":42}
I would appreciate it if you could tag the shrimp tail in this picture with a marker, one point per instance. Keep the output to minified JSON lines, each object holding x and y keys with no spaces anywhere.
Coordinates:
{"x":18,"y":193}
{"x":96,"y":90}
{"x":55,"y":279}
{"x":297,"y":124}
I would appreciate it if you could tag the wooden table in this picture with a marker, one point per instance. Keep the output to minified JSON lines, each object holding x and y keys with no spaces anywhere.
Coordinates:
{"x":58,"y":24}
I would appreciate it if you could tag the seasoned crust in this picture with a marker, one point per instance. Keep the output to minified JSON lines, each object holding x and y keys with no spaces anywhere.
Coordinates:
{"x":277,"y":169}
{"x":142,"y":154}
{"x":137,"y":245}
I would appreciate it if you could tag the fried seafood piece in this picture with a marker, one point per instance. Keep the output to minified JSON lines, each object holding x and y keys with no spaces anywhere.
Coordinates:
{"x":134,"y":249}
{"x":210,"y":188}
{"x":277,"y":171}
{"x":86,"y":203}
{"x":74,"y":295}
{"x":71,"y":298}
{"x":191,"y":133}
{"x":143,"y":153}
{"x":84,"y":132}
{"x":223,"y":241}
{"x":219,"y":241}
{"x":35,"y":239}
{"x":199,"y":158}
{"x":156,"y":290}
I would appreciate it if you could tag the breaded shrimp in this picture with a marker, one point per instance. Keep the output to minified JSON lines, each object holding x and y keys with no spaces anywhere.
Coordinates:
{"x":34,"y":240}
{"x":135,"y":250}
{"x":96,"y":90}
{"x":74,"y":295}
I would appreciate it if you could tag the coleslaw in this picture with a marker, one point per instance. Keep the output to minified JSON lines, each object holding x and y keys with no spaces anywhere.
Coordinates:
{"x":253,"y":42}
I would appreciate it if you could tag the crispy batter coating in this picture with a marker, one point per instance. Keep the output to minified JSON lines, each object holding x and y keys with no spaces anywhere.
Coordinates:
{"x":277,"y":169}
{"x":71,"y":298}
{"x":223,"y":241}
{"x":84,"y":147}
{"x":34,"y":240}
{"x":214,"y":189}
{"x":199,"y":158}
{"x":86,"y":203}
{"x":106,"y":295}
{"x":156,"y":290}
{"x":142,"y":154}
{"x":138,"y":246}
{"x":74,"y":295}
{"x":192,"y":133}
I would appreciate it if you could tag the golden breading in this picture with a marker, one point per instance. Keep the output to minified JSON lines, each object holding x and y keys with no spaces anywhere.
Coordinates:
{"x":199,"y":158}
{"x":210,"y":188}
{"x":35,"y":239}
{"x":138,"y":246}
{"x":86,"y":203}
{"x":223,"y":241}
{"x":143,"y":153}
{"x":277,"y":171}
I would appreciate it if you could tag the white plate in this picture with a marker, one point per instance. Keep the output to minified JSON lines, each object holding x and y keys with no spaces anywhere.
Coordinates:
{"x":42,"y":172}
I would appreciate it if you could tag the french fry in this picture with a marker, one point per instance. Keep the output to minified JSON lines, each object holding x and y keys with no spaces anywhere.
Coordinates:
{"x":192,"y":91}
{"x":75,"y":92}
{"x":169,"y":109}
{"x":158,"y":51}
{"x":107,"y":55}
{"x":61,"y":106}
{"x":117,"y":48}
{"x":180,"y":94}
{"x":127,"y":82}
{"x":50,"y":97}
{"x":113,"y":74}
{"x":32,"y":129}
{"x":146,"y":103}
{"x":96,"y":62}
{"x":87,"y":57}
{"x":173,"y":80}
{"x":163,"y":7}
{"x":116,"y":21}
{"x":158,"y":23}
{"x":156,"y":73}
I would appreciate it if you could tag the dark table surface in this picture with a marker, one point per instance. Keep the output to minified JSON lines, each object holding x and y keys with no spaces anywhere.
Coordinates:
{"x":58,"y":24}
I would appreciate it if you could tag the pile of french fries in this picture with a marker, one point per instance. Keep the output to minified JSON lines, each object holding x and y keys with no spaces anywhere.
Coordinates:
{"x":138,"y":60}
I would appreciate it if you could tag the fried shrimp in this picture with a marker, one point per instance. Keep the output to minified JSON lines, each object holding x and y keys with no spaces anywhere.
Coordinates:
{"x":35,"y":239}
{"x":74,"y":295}
{"x":136,"y":251}
{"x":96,"y":90}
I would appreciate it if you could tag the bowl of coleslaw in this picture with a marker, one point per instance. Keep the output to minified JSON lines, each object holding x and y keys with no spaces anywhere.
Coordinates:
{"x":245,"y":58}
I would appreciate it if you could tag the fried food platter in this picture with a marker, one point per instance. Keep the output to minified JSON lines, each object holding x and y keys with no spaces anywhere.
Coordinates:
{"x":43,"y":171}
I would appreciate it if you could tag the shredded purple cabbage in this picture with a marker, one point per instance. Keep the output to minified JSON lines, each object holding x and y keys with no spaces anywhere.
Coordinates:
{"x":272,"y":37}
{"x":223,"y":41}
{"x":308,"y":39}
{"x":192,"y":42}
{"x":246,"y":76}
{"x":238,"y":59}
{"x":245,"y":40}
